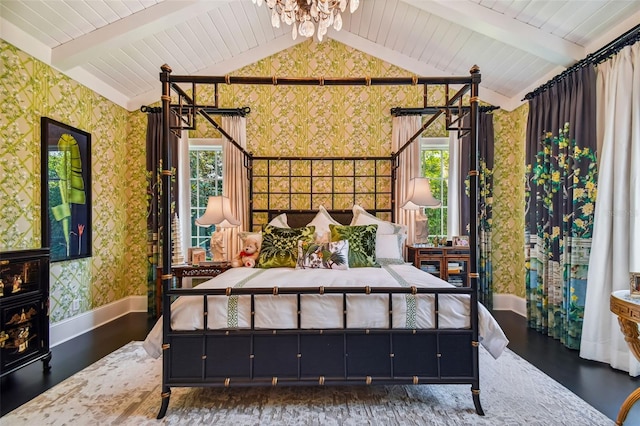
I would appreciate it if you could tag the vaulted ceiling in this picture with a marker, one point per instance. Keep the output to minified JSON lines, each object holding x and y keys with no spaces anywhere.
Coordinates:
{"x":116,"y":47}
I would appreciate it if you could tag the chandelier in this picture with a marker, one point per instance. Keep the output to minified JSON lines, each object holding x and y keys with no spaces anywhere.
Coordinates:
{"x":303,"y":13}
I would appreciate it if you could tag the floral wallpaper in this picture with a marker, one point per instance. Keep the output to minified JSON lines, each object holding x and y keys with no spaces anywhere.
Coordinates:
{"x":284,"y":120}
{"x":507,"y":238}
{"x":313,"y":120}
{"x":31,"y":89}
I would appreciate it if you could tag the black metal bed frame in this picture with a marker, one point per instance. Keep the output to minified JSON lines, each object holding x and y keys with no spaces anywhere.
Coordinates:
{"x":297,"y":356}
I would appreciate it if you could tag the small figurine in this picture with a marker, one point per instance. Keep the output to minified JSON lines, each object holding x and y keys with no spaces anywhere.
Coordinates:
{"x":17,"y":283}
{"x":22,"y":341}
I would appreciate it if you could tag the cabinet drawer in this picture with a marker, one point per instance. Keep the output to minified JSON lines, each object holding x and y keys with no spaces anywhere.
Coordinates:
{"x":22,"y":331}
{"x":21,"y":277}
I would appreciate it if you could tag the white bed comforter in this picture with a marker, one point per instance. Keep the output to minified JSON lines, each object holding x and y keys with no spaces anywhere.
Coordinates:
{"x":325,"y":311}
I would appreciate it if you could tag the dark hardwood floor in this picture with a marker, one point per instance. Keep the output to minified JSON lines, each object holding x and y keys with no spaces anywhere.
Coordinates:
{"x":598,"y":384}
{"x":70,"y":357}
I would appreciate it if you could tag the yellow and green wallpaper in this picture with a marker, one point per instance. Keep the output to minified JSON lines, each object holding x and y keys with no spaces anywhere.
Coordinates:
{"x":507,"y":239}
{"x":31,"y":89}
{"x":284,"y":120}
{"x":313,"y":120}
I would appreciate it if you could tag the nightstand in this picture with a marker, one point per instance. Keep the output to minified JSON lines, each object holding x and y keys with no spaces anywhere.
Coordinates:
{"x":204,"y":269}
{"x":448,"y":263}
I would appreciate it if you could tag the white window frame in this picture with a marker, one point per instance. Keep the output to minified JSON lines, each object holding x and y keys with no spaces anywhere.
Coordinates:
{"x":444,"y":144}
{"x":184,"y":176}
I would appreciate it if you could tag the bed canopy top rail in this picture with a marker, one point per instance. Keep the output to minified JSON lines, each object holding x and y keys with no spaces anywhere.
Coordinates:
{"x":321,"y":81}
{"x":453,"y":105}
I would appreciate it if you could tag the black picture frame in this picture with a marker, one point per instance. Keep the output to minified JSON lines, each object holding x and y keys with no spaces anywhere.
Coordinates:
{"x":66,"y":190}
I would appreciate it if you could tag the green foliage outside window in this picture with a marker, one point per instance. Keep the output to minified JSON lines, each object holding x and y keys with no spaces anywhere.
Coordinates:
{"x":205,"y":181}
{"x":435,"y":166}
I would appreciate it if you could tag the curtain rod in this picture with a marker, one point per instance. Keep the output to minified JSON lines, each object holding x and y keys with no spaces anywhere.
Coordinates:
{"x":213,"y":110}
{"x":630,"y":37}
{"x":150,"y":109}
{"x":208,"y":109}
{"x":398,"y":111}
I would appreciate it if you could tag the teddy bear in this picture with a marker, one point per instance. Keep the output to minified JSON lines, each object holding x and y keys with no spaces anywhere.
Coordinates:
{"x":249,"y":254}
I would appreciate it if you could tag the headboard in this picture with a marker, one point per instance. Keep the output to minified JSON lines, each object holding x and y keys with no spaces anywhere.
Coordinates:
{"x":299,"y":218}
{"x":298,"y":186}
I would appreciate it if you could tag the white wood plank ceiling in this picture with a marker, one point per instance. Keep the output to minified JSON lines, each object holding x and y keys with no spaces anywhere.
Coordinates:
{"x":116,"y":47}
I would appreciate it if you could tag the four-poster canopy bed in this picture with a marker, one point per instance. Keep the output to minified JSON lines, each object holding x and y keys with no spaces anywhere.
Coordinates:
{"x":384,"y":323}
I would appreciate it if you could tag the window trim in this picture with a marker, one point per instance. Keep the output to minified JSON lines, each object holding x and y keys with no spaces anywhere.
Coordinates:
{"x":204,"y":143}
{"x":434,"y":143}
{"x":439,"y":143}
{"x":188,"y":144}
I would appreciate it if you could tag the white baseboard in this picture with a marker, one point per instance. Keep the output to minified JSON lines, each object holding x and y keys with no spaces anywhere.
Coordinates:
{"x":510,"y":302}
{"x":72,"y":327}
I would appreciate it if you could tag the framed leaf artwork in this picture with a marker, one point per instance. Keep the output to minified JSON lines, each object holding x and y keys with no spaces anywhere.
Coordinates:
{"x":66,"y":190}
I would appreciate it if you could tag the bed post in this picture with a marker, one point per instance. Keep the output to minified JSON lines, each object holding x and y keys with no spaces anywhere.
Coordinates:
{"x":473,"y":232}
{"x":166,"y":228}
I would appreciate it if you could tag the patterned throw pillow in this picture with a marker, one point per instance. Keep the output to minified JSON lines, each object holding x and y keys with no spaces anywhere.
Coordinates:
{"x":333,"y":255}
{"x":280,"y":245}
{"x":362,"y":243}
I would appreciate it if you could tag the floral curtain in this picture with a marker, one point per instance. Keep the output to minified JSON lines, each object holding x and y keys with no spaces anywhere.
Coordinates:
{"x":154,"y":191}
{"x":560,"y":196}
{"x":485,"y":198}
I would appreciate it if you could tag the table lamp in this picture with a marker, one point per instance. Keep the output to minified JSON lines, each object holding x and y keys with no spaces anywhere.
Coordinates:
{"x":218,"y":213}
{"x":418,"y":198}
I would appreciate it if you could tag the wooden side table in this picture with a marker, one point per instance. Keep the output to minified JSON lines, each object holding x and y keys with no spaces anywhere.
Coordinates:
{"x":449,"y":263}
{"x":628,"y":312}
{"x":204,"y":269}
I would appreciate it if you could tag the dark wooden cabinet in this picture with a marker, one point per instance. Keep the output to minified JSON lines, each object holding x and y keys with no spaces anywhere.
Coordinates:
{"x":24,"y":309}
{"x":449,"y":263}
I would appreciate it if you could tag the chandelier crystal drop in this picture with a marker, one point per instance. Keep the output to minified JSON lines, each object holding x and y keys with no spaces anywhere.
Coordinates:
{"x":302,"y":14}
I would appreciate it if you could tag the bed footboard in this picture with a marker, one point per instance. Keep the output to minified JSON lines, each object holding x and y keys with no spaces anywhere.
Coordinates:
{"x":337,"y":356}
{"x":327,"y":357}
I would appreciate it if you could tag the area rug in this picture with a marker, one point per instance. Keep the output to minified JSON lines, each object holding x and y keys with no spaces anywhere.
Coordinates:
{"x":124,"y":389}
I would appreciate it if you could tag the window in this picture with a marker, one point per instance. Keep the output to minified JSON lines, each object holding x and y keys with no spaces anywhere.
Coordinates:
{"x":434,"y":160}
{"x":205,"y":180}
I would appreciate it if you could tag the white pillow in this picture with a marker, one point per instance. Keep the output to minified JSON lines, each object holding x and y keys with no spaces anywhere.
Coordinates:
{"x":363,"y":217}
{"x":390,"y":247}
{"x":280,"y":221}
{"x":321,"y":221}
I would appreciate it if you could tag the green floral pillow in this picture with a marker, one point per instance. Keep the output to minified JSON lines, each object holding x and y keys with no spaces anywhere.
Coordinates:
{"x":362,"y":243}
{"x":280,"y":245}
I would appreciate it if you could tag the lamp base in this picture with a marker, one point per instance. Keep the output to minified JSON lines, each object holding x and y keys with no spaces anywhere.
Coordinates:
{"x":421,"y":235}
{"x":218,"y":247}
